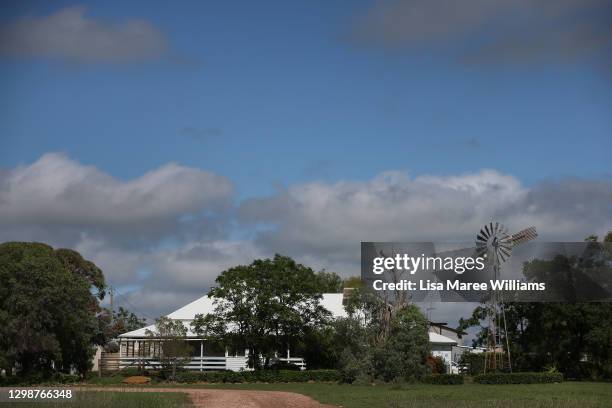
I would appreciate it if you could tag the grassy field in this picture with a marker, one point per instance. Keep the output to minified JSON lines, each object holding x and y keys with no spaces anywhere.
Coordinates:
{"x":94,"y":399}
{"x":565,"y":395}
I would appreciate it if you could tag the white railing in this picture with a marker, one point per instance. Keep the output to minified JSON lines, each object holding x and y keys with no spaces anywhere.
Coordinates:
{"x":298,"y":361}
{"x":194,"y":363}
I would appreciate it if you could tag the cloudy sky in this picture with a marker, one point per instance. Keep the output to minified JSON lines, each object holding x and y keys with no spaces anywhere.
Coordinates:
{"x":167,"y":143}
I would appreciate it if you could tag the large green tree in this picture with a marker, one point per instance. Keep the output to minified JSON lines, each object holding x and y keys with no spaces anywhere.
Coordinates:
{"x":264,"y":306}
{"x":381,"y":341}
{"x":49,"y":301}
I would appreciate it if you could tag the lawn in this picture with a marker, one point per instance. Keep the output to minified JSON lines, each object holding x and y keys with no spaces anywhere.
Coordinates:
{"x":565,"y":395}
{"x":94,"y":399}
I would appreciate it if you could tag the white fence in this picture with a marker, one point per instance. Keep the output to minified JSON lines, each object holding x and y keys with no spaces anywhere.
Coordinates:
{"x":108,"y":363}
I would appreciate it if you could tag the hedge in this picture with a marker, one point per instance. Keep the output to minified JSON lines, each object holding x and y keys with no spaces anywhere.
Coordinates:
{"x":270,"y":376}
{"x":518,"y":378}
{"x":34,"y":379}
{"x":443,"y":379}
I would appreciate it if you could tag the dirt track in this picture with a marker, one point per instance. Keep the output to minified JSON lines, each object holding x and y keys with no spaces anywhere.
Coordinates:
{"x":214,"y":398}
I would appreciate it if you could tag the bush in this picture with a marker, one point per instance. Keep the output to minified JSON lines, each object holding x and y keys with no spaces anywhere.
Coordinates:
{"x":188,"y":377}
{"x":518,"y":378}
{"x":284,"y":365}
{"x":443,"y":379}
{"x":34,"y":379}
{"x":66,"y":378}
{"x":436,"y":364}
{"x":269,"y":376}
{"x":472,"y":363}
{"x":129,"y":372}
{"x":352,"y":367}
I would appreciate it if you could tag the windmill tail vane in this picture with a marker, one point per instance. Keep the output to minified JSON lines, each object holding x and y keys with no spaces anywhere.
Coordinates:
{"x":528,"y":234}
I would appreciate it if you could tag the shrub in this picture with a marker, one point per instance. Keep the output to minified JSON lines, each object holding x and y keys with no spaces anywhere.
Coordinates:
{"x":130,"y":372}
{"x":518,"y":378}
{"x":472,"y":363}
{"x":269,"y":376}
{"x":436,"y":364}
{"x":66,"y":378}
{"x":443,"y":379}
{"x":283,"y":365}
{"x":188,"y":377}
{"x":351,"y":367}
{"x":34,"y":379}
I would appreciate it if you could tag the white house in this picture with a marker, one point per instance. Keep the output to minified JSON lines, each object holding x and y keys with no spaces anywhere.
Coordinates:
{"x":137,"y":345}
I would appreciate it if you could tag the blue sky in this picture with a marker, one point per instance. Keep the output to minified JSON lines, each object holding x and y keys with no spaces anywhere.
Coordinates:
{"x":169,"y":142}
{"x":277,"y":93}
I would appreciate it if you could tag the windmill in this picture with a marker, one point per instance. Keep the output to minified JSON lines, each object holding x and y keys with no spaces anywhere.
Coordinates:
{"x":495,"y":243}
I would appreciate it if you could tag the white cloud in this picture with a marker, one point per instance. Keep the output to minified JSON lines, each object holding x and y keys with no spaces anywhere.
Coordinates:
{"x":163,"y":237}
{"x":69,"y":34}
{"x":57,"y":193}
{"x":327,"y":222}
{"x":160,"y":280}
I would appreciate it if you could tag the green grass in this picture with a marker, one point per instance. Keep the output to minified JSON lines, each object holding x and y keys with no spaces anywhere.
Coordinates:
{"x":95,"y":399}
{"x":564,"y":395}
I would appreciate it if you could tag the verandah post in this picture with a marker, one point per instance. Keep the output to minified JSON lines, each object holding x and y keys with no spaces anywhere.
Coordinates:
{"x":201,"y":353}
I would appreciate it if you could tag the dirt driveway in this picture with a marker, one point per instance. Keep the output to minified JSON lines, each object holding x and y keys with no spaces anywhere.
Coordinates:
{"x":214,"y":398}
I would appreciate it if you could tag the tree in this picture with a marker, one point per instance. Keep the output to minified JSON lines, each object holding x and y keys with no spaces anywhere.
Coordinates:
{"x":352,"y":282}
{"x":574,"y":338}
{"x":374,"y":347}
{"x":113,"y":323}
{"x":174,"y":347}
{"x":329,"y":282}
{"x":404,"y":355}
{"x":264,"y":306}
{"x":48,"y":307}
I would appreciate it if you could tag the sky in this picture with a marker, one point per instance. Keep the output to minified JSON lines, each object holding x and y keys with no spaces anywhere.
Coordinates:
{"x":167,"y":142}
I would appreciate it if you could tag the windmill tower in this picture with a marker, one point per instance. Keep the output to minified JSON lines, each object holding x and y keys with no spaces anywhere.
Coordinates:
{"x":495,"y":243}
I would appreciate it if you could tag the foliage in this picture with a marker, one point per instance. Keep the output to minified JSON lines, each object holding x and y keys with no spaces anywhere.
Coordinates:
{"x":404,"y":355}
{"x":399,"y":356}
{"x":354,"y":367}
{"x":268,"y":376}
{"x":283,"y":365}
{"x":264,"y":306}
{"x":320,"y":347}
{"x":436,"y":364}
{"x":174,"y":347}
{"x":112,"y":324}
{"x":575,"y":338}
{"x":443,"y":379}
{"x":352,"y":282}
{"x":472,"y":363}
{"x":329,"y":282}
{"x":518,"y":378}
{"x":48,"y":307}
